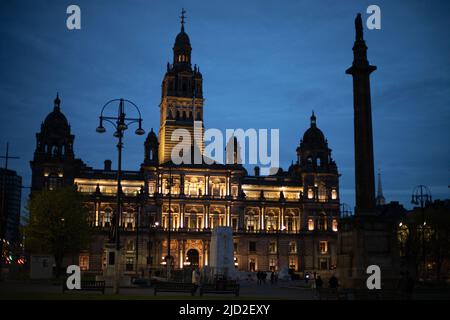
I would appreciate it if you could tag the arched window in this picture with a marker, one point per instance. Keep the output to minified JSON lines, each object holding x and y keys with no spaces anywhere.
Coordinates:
{"x":310,"y":224}
{"x":310,"y":193}
{"x":335,"y":225}
{"x":334,"y":194}
{"x":318,"y":162}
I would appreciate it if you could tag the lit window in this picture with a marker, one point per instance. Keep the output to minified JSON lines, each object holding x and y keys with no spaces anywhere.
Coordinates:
{"x":292,"y":247}
{"x":334,"y":194}
{"x":310,"y":224}
{"x":272,"y":264}
{"x":292,"y":263}
{"x":323,"y":247}
{"x":129,"y":264}
{"x":107,"y":217}
{"x":310,"y":193}
{"x":272,"y":247}
{"x":84,"y":262}
{"x":335,"y":225}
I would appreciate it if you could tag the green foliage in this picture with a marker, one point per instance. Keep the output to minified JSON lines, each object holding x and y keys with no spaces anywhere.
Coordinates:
{"x":58,"y":223}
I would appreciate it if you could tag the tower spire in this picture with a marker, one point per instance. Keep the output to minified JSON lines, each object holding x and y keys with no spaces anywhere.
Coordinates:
{"x":182,"y":17}
{"x":57,"y":102}
{"x":313,"y":119}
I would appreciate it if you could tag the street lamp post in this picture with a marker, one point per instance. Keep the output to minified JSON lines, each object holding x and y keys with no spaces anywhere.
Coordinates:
{"x":140,"y":208}
{"x":422,"y":196}
{"x":169,"y":257}
{"x":120,"y":123}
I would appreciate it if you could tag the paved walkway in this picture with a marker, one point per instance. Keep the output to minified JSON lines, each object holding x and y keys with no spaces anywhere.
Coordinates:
{"x":284,"y":290}
{"x":281,"y":290}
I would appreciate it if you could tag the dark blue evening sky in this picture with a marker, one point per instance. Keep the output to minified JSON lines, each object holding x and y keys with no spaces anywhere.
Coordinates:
{"x":266,"y":64}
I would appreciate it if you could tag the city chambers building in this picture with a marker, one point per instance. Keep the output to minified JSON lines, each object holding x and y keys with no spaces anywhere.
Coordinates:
{"x":287,"y":219}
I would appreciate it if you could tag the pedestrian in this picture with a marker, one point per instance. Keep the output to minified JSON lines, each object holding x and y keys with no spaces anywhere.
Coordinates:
{"x":196,"y":279}
{"x":333,"y":283}
{"x":318,"y":283}
{"x":272,"y":277}
{"x":264,"y":276}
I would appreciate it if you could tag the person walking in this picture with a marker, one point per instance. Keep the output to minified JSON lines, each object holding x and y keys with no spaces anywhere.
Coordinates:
{"x":272,"y":277}
{"x":196,"y":279}
{"x":319,"y":283}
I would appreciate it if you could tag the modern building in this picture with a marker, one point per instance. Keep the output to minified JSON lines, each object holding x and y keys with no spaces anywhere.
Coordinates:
{"x":10,"y":200}
{"x":288,"y":219}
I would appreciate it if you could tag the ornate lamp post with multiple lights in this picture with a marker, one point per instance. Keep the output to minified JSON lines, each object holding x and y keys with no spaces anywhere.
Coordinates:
{"x":120,"y":124}
{"x":422,"y":196}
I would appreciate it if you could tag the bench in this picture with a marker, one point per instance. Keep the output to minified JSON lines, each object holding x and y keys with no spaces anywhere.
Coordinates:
{"x":90,"y":285}
{"x":174,"y":287}
{"x":220,"y":287}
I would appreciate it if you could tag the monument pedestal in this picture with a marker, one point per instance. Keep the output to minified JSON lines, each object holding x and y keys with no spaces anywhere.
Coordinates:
{"x":112,"y":274}
{"x":363,"y":241}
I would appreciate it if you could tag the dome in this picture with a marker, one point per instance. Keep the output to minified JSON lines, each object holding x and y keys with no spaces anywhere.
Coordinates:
{"x":182,"y":40}
{"x":314,"y":137}
{"x":56,"y":120}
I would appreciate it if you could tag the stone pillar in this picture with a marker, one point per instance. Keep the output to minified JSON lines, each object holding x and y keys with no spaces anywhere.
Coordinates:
{"x":263,"y":217}
{"x":181,"y":224}
{"x":206,"y":216}
{"x":281,"y":219}
{"x":97,"y":213}
{"x":365,"y":239}
{"x":364,"y":168}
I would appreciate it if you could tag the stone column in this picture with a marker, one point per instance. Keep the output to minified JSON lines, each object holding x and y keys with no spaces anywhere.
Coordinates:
{"x":263,"y":217}
{"x":182,"y":215}
{"x":206,"y":216}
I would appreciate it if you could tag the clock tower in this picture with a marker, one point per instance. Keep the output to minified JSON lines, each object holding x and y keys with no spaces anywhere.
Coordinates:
{"x":181,"y":104}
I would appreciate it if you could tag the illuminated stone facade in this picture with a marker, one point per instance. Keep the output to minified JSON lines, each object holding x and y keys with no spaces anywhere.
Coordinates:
{"x":289,"y":219}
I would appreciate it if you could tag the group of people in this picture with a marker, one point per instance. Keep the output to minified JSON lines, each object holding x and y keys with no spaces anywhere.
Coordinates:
{"x":333,"y":282}
{"x":262,"y":276}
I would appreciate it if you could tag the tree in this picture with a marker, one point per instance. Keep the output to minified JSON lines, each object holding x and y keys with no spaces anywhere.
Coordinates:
{"x":431,"y":238}
{"x":58,"y":224}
